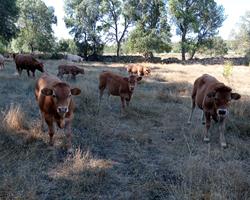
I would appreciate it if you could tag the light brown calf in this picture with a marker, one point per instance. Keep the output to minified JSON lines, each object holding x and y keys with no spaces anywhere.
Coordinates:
{"x":55,"y":101}
{"x":213,"y":97}
{"x":118,"y":86}
{"x":69,"y":69}
{"x":138,"y":69}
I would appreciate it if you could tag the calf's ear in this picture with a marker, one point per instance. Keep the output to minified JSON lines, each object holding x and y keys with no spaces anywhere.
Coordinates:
{"x":75,"y":91}
{"x":211,"y":94}
{"x":139,"y":78}
{"x":47,"y":91}
{"x":235,"y":96}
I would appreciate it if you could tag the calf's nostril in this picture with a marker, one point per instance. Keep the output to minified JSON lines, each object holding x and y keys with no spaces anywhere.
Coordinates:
{"x":62,"y":109}
{"x":221,"y":112}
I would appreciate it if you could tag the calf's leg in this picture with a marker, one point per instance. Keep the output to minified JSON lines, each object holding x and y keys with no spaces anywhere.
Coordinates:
{"x":203,"y":118}
{"x":50,"y":124}
{"x":222,"y":135}
{"x":208,"y":123}
{"x":192,"y":111}
{"x":123,"y":105}
{"x":68,"y":136}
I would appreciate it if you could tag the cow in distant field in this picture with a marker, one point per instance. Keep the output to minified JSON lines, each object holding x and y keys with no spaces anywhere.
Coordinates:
{"x":213,"y":97}
{"x":1,"y":61}
{"x":69,"y":69}
{"x":74,"y":58}
{"x":138,"y":69}
{"x":28,"y":62}
{"x":117,"y":86}
{"x":54,"y":98}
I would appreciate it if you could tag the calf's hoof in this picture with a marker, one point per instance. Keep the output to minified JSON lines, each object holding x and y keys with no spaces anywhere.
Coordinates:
{"x":70,"y":151}
{"x":203,"y":122}
{"x":223,"y":144}
{"x":189,"y":122}
{"x":206,"y":139}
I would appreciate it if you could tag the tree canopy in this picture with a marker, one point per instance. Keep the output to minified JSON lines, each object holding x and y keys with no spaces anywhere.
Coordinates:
{"x":197,"y":21}
{"x":9,"y":15}
{"x":152,"y":31}
{"x":115,"y":20}
{"x":241,"y":35}
{"x":82,"y":18}
{"x":35,"y":24}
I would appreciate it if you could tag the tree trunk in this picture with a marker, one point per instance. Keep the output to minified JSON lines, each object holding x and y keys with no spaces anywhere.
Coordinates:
{"x":192,"y":54}
{"x":183,"y":46}
{"x":118,"y":49}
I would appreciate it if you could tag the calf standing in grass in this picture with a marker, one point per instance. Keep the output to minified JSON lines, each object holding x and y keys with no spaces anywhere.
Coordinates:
{"x":138,"y":69}
{"x":1,"y":61}
{"x":54,"y":98}
{"x":69,"y":69}
{"x":117,"y":86}
{"x":213,"y":97}
{"x":27,"y":62}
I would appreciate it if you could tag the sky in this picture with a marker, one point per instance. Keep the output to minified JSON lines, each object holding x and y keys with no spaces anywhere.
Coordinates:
{"x":233,"y":10}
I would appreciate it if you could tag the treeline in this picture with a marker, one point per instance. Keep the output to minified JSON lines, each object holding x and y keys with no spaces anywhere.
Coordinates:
{"x":132,"y":26}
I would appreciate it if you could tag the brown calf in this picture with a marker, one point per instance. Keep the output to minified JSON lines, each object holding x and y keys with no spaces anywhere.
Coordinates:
{"x":28,"y":62}
{"x":69,"y":69}
{"x":213,"y":97}
{"x":55,"y":101}
{"x":117,"y":86}
{"x":138,"y":69}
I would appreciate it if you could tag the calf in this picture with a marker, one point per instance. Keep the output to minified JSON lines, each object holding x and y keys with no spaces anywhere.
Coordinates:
{"x":69,"y":69}
{"x":54,"y":99}
{"x":27,"y":62}
{"x":1,"y":61}
{"x":118,"y":86}
{"x":213,"y":97}
{"x":74,"y":58}
{"x":138,"y":69}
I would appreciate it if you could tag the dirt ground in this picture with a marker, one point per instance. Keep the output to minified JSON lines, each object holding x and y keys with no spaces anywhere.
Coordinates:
{"x":150,"y":153}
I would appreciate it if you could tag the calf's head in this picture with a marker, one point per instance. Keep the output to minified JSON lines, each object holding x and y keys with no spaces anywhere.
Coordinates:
{"x":147,"y":71}
{"x":40,"y":66}
{"x":61,"y":96}
{"x":221,"y":98}
{"x":132,"y":81}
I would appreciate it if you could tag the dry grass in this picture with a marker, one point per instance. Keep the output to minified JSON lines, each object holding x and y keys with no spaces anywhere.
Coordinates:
{"x":14,"y":118}
{"x":150,"y":153}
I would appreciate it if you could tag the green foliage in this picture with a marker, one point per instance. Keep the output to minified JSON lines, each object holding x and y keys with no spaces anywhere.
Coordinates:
{"x":241,"y":35}
{"x":67,"y":45}
{"x":228,"y":69}
{"x":9,"y":14}
{"x":197,"y":21}
{"x":2,"y":47}
{"x":214,"y":47}
{"x":152,"y":31}
{"x":35,"y":24}
{"x":82,"y":18}
{"x":115,"y":21}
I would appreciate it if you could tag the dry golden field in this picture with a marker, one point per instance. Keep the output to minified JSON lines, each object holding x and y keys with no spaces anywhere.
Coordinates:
{"x":148,"y":154}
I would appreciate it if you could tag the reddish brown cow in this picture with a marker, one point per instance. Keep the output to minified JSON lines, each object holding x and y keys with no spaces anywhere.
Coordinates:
{"x":117,"y":86}
{"x":213,"y":97}
{"x":27,"y":62}
{"x":138,"y":69}
{"x":69,"y":69}
{"x":55,"y":101}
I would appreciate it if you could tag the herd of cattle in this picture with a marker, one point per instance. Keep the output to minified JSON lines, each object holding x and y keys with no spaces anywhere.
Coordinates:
{"x":54,"y":96}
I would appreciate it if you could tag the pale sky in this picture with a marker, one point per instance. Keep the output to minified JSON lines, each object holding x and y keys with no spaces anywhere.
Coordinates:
{"x":233,"y":10}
